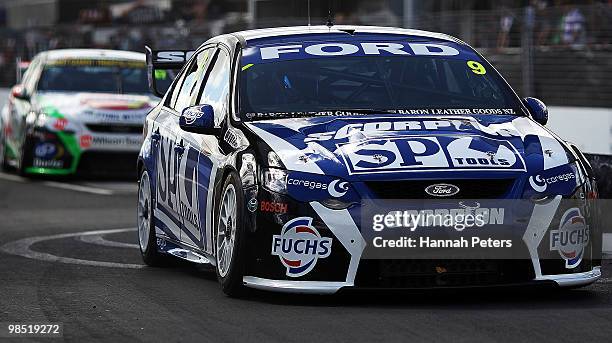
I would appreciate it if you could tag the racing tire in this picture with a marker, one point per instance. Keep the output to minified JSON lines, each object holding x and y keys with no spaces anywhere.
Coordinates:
{"x":147,"y":239}
{"x":229,"y":237}
{"x":4,"y":165}
{"x":26,"y":151}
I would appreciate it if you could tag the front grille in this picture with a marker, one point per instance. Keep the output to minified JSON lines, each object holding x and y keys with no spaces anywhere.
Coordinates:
{"x":442,"y":273}
{"x":415,"y":189}
{"x":115,"y":128}
{"x":102,"y":163}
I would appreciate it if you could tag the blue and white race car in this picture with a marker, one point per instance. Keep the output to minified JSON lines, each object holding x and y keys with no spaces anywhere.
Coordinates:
{"x":264,"y":152}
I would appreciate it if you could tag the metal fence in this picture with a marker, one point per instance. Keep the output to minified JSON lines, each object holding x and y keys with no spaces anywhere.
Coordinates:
{"x":562,"y":55}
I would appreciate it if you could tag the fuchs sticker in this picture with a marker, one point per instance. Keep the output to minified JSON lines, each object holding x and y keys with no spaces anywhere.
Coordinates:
{"x":571,"y":238}
{"x":436,"y":153}
{"x":299,"y":246}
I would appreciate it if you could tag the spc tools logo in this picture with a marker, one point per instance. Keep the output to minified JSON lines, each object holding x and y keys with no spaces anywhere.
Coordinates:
{"x":299,"y":246}
{"x":571,"y":238}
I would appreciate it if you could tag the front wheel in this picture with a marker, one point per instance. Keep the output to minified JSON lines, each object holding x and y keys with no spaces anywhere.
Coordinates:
{"x":229,"y":237}
{"x":26,"y":153}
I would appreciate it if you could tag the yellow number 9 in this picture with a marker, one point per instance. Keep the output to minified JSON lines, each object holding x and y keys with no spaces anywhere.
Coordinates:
{"x":477,"y":68}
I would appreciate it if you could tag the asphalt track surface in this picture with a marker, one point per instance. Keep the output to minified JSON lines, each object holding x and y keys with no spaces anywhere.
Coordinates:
{"x":94,"y":283}
{"x":68,"y":254}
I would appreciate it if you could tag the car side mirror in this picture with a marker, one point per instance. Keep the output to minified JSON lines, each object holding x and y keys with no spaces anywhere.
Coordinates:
{"x":538,"y":110}
{"x":199,"y":119}
{"x":18,"y":92}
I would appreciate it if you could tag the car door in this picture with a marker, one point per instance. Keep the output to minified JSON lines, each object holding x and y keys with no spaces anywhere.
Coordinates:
{"x":171,"y":151}
{"x":20,"y":108}
{"x":202,"y":153}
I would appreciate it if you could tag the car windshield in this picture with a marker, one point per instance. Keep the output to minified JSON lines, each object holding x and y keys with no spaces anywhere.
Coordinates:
{"x":371,"y":84}
{"x":124,"y":77}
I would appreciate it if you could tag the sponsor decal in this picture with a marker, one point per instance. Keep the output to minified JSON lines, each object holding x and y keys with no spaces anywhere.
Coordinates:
{"x":332,"y":49}
{"x":274,"y":207}
{"x":173,"y":56}
{"x":307,"y":183}
{"x":442,"y":190}
{"x":45,"y":163}
{"x":571,"y":238}
{"x":252,"y":205}
{"x":395,"y":128}
{"x":299,"y":246}
{"x":60,"y":124}
{"x":84,"y":62}
{"x":47,"y":151}
{"x":176,"y":196}
{"x":335,"y":188}
{"x":117,"y":105}
{"x":115,"y":117}
{"x":437,"y":153}
{"x":192,"y":114}
{"x":85,"y":141}
{"x":133,"y":140}
{"x":540,"y":183}
{"x":231,"y":138}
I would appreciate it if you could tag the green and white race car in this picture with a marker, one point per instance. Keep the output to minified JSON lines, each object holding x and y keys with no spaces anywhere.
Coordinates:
{"x":77,"y":111}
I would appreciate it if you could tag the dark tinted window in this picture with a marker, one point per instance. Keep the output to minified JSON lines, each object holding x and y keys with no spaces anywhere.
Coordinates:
{"x":371,"y":82}
{"x":94,"y":76}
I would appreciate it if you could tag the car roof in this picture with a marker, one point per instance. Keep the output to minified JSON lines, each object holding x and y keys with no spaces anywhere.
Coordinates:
{"x":258,"y":34}
{"x":94,"y":54}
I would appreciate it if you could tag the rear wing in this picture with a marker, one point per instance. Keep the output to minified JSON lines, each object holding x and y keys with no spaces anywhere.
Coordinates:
{"x":162,"y":66}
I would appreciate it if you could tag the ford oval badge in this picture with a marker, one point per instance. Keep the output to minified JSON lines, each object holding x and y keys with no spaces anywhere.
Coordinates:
{"x":442,"y":190}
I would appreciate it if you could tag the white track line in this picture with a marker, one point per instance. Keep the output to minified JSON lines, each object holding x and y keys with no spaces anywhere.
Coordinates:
{"x":14,"y":178}
{"x":63,"y":185}
{"x":79,"y":188}
{"x":22,"y":248}
{"x":100,"y":240}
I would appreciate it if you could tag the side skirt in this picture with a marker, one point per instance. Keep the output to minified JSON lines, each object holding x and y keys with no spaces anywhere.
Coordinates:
{"x":183,"y":251}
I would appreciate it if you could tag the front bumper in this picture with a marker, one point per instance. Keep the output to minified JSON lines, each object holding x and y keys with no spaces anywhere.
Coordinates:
{"x":69,"y":153}
{"x":346,"y":268}
{"x":322,"y":287}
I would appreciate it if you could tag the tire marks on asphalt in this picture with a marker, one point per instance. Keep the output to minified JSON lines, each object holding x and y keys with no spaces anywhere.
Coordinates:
{"x":23,"y":248}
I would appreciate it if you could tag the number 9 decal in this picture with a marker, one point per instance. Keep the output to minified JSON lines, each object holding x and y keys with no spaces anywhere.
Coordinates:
{"x":476,"y":67}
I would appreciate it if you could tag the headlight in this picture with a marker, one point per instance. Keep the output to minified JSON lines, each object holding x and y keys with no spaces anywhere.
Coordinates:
{"x":274,"y":160}
{"x":275,"y":180}
{"x":41,"y":121}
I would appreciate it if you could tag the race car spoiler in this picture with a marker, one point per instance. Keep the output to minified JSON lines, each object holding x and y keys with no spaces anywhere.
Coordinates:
{"x":160,"y":61}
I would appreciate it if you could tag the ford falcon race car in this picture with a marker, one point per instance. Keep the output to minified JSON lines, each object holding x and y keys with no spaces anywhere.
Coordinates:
{"x":77,"y":111}
{"x":270,"y":149}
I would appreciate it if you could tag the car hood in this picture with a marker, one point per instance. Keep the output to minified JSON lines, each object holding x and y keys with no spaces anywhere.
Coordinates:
{"x":96,"y":107}
{"x":394,"y":147}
